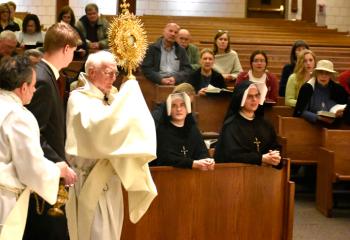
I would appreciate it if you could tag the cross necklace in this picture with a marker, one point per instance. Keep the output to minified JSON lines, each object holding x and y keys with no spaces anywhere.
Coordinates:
{"x":257,"y":143}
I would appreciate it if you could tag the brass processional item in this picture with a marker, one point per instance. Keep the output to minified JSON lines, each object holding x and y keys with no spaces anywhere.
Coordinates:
{"x":127,"y":40}
{"x":62,"y":198}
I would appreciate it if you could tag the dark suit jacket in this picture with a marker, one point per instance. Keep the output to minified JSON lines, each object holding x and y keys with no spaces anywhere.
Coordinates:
{"x":47,"y":107}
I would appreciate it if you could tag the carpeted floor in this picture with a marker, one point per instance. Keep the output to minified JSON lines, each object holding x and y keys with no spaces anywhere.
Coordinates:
{"x":309,"y":224}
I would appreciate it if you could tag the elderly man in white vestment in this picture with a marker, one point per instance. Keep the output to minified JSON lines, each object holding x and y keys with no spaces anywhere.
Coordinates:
{"x":110,"y":140}
{"x":23,"y":167}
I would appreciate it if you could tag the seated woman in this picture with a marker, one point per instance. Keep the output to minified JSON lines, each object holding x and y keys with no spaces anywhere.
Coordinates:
{"x":31,"y":35}
{"x":259,"y":74}
{"x":288,"y":69}
{"x":302,"y":73}
{"x":320,"y":93}
{"x":179,"y":142}
{"x":67,"y":15}
{"x":226,"y":60}
{"x":205,"y":75}
{"x":5,"y":20}
{"x":247,"y":137}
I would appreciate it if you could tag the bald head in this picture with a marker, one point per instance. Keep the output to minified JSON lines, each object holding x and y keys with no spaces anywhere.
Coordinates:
{"x":170,"y":32}
{"x":183,"y":38}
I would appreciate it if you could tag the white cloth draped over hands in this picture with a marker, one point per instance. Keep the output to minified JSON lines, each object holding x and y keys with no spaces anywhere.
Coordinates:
{"x":122,"y":132}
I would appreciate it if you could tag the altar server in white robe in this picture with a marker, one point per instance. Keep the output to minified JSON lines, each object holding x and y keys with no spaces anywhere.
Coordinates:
{"x":23,"y":167}
{"x":110,"y":140}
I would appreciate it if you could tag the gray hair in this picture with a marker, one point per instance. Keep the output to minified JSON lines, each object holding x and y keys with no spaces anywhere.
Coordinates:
{"x":8,"y":35}
{"x":14,"y":72}
{"x":96,"y":60}
{"x":33,"y":52}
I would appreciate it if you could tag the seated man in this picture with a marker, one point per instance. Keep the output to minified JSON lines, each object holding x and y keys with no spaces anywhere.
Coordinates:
{"x":8,"y":43}
{"x":94,"y":28}
{"x":246,"y":136}
{"x":108,"y":145}
{"x":179,"y":142}
{"x":184,"y":39}
{"x":166,"y":62}
{"x":23,"y":167}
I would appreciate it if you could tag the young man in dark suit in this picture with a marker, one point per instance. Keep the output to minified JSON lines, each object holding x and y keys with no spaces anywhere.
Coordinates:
{"x":60,"y":42}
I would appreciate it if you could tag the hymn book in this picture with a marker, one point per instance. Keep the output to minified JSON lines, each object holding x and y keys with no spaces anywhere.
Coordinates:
{"x":331,"y":113}
{"x":212,"y":89}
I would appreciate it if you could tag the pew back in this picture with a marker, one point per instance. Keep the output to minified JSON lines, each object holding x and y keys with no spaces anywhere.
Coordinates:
{"x":221,"y":204}
{"x":211,"y":111}
{"x":333,"y":166}
{"x":271,"y":113}
{"x":338,"y":142}
{"x":300,"y":139}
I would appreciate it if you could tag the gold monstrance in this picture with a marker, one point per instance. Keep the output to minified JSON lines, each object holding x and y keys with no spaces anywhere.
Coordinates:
{"x":127,"y":40}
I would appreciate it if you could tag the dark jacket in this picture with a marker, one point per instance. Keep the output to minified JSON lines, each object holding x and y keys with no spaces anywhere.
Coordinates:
{"x":102,"y":26}
{"x":337,"y":93}
{"x":286,"y":72}
{"x":47,"y":107}
{"x":151,"y":63}
{"x":12,"y":26}
{"x":217,"y":80}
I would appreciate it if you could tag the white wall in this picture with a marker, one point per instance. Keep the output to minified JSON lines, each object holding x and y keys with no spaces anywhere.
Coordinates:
{"x":214,"y":8}
{"x":337,"y":14}
{"x":46,"y":9}
{"x":337,"y":11}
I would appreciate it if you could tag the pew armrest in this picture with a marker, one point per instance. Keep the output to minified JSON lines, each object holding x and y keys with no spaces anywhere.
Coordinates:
{"x":325,"y":179}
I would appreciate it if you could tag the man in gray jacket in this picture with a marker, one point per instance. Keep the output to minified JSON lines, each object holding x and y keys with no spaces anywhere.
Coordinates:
{"x":166,"y":62}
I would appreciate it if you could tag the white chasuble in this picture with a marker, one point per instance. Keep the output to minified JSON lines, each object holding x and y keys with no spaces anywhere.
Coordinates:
{"x":109,"y":143}
{"x":23,"y":167}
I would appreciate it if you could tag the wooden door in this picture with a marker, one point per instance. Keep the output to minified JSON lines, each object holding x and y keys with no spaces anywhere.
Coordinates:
{"x":266,"y":8}
{"x":308,"y":11}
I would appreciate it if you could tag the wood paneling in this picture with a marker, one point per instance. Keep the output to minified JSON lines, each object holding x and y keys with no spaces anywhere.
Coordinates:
{"x":235,"y":201}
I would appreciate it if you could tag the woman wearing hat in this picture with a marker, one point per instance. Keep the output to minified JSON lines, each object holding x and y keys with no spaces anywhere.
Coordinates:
{"x":246,"y":136}
{"x":320,"y":93}
{"x":179,"y":142}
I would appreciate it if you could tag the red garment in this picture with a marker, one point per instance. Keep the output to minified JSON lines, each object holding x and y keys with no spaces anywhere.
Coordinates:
{"x":344,"y":80}
{"x":271,"y":84}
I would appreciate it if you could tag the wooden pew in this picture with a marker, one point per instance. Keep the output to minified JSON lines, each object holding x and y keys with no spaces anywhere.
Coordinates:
{"x":271,"y":113}
{"x":235,"y":201}
{"x":333,"y":166}
{"x":211,"y":111}
{"x":300,"y":140}
{"x":161,"y":94}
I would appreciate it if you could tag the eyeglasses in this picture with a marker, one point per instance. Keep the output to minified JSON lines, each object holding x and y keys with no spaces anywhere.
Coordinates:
{"x":110,"y":73}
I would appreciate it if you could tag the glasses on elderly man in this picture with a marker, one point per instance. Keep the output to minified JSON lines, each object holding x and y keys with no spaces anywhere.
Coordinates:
{"x":110,"y":73}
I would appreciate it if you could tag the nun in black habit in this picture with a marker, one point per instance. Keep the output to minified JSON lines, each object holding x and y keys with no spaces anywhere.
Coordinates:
{"x":179,"y":142}
{"x":246,"y":137}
